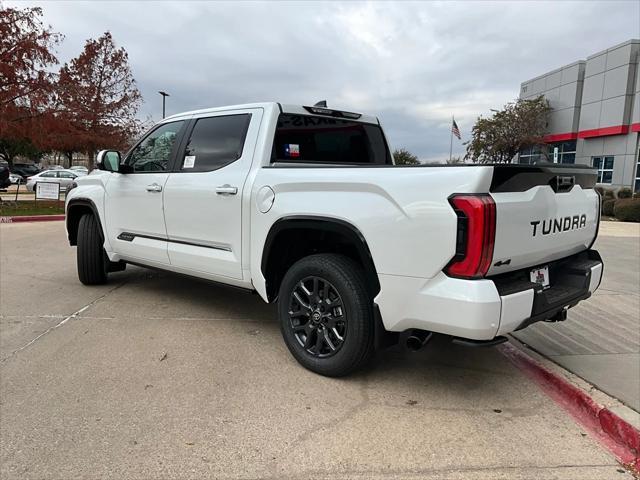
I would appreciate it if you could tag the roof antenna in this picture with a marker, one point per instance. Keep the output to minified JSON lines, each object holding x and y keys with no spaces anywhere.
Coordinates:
{"x":321,"y":103}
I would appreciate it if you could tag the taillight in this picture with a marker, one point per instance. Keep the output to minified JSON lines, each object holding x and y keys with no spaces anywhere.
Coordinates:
{"x":476,"y":235}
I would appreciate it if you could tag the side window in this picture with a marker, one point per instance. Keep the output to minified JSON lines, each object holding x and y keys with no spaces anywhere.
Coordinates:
{"x":154,"y":152}
{"x":215,"y":142}
{"x":50,"y":174}
{"x":66,"y":175}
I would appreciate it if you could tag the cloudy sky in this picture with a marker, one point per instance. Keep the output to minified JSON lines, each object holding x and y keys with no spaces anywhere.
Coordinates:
{"x":412,"y":64}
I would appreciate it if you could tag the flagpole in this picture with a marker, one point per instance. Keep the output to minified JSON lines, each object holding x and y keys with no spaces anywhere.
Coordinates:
{"x":451,"y":139}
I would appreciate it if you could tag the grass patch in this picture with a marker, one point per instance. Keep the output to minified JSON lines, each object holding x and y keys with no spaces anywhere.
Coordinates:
{"x":11,"y":209}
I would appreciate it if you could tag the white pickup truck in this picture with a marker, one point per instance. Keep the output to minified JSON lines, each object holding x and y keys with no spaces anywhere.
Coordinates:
{"x":305,"y":206}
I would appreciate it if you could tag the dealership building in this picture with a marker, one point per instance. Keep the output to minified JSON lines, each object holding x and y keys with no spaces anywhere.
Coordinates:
{"x":595,"y":117}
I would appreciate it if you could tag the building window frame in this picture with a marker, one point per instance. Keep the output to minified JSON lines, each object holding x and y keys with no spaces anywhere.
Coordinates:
{"x":602,"y":164}
{"x":636,"y":183}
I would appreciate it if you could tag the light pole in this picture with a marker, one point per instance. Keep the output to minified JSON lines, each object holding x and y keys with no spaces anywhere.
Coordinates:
{"x":164,"y":95}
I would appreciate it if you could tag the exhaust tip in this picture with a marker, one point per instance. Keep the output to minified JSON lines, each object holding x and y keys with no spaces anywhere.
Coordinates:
{"x":418,"y":339}
{"x":414,"y":343}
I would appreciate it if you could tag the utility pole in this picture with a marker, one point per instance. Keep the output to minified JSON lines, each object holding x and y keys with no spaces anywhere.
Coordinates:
{"x":164,"y":95}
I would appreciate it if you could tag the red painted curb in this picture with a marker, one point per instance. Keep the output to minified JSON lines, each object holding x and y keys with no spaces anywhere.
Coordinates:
{"x":31,"y":218}
{"x":620,"y":437}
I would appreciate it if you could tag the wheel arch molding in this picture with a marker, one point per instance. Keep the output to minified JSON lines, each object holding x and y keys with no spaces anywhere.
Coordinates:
{"x":293,"y":237}
{"x":76,"y":208}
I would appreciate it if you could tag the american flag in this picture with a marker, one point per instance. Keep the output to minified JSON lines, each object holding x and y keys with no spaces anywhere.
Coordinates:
{"x":455,"y":130}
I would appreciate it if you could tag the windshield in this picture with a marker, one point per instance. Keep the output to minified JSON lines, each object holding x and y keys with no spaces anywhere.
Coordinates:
{"x":25,"y":166}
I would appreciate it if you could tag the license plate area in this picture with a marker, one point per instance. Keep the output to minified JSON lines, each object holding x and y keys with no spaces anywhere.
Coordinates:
{"x":540,"y":276}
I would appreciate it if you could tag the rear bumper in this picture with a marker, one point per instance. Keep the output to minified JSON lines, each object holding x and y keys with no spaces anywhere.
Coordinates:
{"x":484,"y":309}
{"x":572,"y":279}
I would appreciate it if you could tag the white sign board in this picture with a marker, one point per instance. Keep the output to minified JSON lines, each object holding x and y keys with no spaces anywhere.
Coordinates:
{"x":49,"y":191}
{"x":555,"y":154}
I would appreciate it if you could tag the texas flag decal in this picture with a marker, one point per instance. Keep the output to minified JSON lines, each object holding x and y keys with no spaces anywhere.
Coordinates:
{"x":292,"y":150}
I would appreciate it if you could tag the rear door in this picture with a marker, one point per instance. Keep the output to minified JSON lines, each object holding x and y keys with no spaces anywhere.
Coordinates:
{"x":134,"y":201}
{"x":543,"y":213}
{"x":204,"y":195}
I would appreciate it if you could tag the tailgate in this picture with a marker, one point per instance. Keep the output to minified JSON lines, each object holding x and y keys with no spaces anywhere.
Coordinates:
{"x":543,"y":213}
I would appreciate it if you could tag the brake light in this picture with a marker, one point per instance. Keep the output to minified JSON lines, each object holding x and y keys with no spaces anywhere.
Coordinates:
{"x":332,"y":113}
{"x":476,"y":235}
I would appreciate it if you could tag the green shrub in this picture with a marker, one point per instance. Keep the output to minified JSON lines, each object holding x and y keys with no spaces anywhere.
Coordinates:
{"x":627,"y":210}
{"x":608,"y":194}
{"x":624,"y":193}
{"x":600,"y":190}
{"x":607,"y":207}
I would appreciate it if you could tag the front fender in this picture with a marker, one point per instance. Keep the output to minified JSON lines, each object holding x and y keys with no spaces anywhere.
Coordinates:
{"x":89,"y":194}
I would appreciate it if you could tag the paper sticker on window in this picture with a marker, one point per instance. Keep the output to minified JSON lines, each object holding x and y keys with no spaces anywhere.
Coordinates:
{"x":292,"y":150}
{"x":189,"y":161}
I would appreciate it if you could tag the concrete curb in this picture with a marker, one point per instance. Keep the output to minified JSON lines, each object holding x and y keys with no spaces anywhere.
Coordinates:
{"x":31,"y":218}
{"x":617,"y":435}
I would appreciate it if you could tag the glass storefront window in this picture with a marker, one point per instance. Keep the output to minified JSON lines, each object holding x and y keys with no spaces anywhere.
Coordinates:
{"x":536,"y":154}
{"x":566,"y":151}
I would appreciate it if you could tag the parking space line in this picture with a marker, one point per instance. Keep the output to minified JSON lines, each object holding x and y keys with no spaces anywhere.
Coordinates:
{"x":61,"y":322}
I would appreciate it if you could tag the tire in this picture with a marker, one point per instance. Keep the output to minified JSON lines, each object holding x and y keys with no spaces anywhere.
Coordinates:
{"x":341,"y":314}
{"x":90,"y":254}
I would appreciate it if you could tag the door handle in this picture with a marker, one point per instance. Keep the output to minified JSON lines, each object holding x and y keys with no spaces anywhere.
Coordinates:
{"x":226,"y":189}
{"x":154,"y":187}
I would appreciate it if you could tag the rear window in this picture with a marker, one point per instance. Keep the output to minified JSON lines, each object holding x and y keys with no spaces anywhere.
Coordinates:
{"x":316,"y":139}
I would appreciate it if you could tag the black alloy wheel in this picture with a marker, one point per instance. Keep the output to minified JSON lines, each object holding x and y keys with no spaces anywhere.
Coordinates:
{"x":317,"y":316}
{"x":325,"y":311}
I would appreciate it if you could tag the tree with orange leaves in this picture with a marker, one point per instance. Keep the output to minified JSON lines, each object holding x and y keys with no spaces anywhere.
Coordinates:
{"x":99,"y":96}
{"x":26,"y":83}
{"x":90,"y":104}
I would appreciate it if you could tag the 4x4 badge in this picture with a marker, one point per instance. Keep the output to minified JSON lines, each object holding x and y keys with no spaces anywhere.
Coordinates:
{"x":500,"y":263}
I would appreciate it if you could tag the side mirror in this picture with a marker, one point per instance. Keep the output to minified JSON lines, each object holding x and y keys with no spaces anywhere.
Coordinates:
{"x":108,"y":160}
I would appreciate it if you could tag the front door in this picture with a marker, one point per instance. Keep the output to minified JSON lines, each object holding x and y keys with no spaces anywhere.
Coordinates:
{"x":134,"y":200}
{"x":203,"y":197}
{"x":65,"y":179}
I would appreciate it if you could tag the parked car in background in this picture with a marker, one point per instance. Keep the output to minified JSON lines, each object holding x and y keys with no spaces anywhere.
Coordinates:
{"x":63,"y":177}
{"x":25,"y":169}
{"x":79,"y":168}
{"x":14,"y":178}
{"x":4,"y":175}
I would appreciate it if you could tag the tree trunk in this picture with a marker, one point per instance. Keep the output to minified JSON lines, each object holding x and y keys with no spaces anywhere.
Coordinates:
{"x":91,"y":155}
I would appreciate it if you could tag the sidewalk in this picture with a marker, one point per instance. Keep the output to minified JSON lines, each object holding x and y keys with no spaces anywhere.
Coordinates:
{"x":600,"y":341}
{"x":23,"y":196}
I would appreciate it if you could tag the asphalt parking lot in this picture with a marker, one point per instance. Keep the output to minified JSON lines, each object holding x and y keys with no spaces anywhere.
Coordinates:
{"x":158,"y":376}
